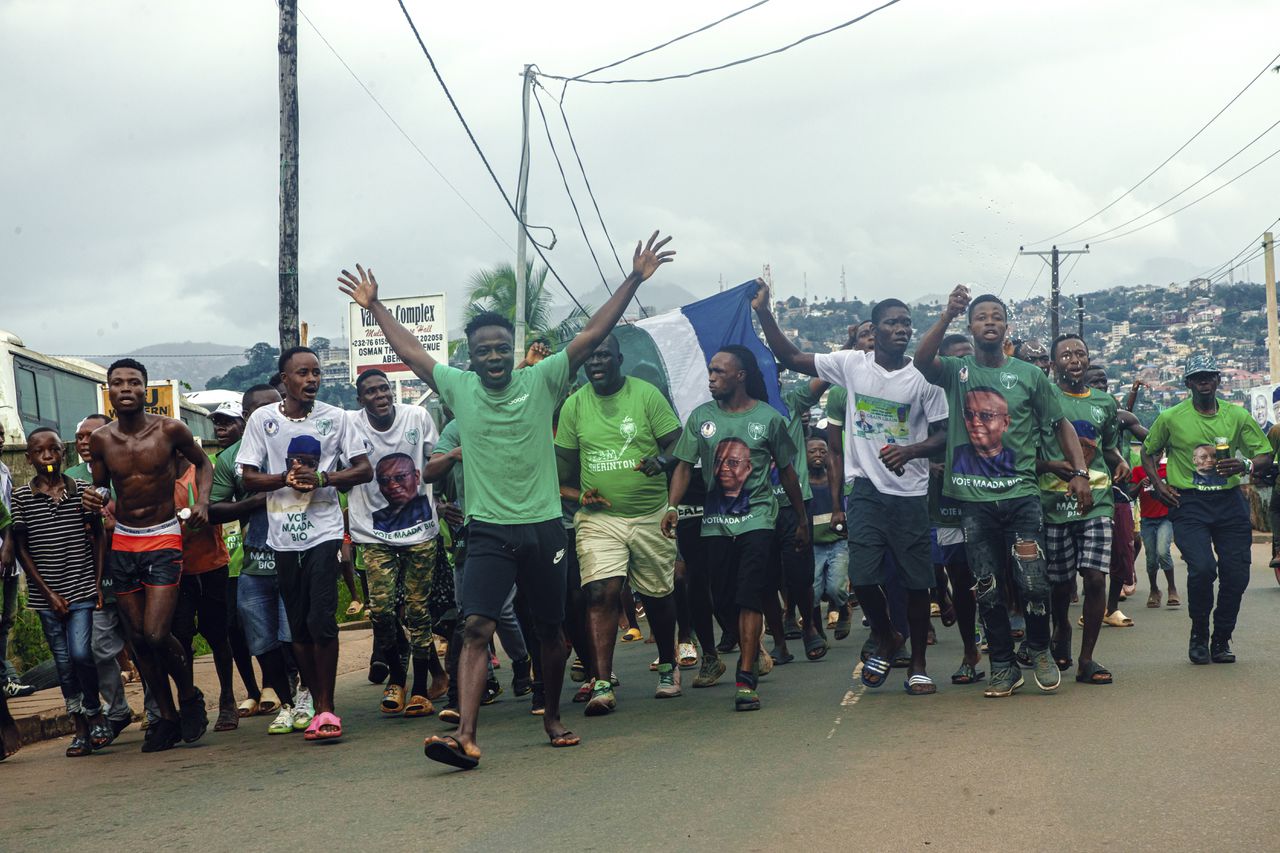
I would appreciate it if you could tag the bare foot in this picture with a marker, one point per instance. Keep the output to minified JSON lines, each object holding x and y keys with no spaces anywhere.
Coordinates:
{"x":559,"y":735}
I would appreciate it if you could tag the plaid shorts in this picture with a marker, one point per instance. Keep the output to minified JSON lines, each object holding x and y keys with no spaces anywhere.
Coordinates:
{"x":1077,"y":545}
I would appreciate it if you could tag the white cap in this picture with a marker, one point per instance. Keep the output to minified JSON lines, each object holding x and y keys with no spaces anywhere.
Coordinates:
{"x":231,"y":409}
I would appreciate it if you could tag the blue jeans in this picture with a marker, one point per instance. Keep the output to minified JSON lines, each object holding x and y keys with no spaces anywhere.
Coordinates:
{"x":71,"y":642}
{"x":1205,"y":522}
{"x":831,"y":573}
{"x":262,"y":613}
{"x":992,"y":532}
{"x":1157,"y":541}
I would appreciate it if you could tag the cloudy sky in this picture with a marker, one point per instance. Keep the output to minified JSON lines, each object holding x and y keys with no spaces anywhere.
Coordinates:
{"x":915,"y":149}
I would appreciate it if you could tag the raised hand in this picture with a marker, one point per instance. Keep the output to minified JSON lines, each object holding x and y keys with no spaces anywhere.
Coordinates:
{"x":363,"y":290}
{"x":957,"y":302}
{"x":760,"y":302}
{"x":645,"y":261}
{"x":537,"y":352}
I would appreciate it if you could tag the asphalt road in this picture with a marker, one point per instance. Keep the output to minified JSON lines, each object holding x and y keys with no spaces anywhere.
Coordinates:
{"x":1171,"y":757}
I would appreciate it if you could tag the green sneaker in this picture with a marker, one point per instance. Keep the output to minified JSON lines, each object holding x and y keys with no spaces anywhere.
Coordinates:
{"x":1047,"y":674}
{"x":747,"y":699}
{"x":710,"y":671}
{"x":283,"y":723}
{"x":303,"y":710}
{"x":1004,"y":680}
{"x":602,"y":700}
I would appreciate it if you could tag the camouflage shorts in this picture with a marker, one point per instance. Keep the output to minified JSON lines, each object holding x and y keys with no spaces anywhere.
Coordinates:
{"x":400,"y":574}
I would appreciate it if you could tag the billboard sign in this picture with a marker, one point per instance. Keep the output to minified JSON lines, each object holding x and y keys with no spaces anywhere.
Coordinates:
{"x":424,"y":316}
{"x":163,"y":398}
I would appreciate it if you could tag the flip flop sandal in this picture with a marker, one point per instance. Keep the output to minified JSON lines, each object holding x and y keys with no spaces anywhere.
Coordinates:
{"x":919,"y":685}
{"x":328,"y":719}
{"x":948,"y":616}
{"x":1061,"y":656}
{"x":687,"y":655}
{"x":967,"y":674}
{"x":1094,"y":673}
{"x":1174,"y":601}
{"x":419,"y":706}
{"x":842,"y":628}
{"x":447,"y":750}
{"x":578,"y":672}
{"x":228,"y":720}
{"x":815,"y":648}
{"x":393,"y":699}
{"x":875,"y":671}
{"x":268,"y":702}
{"x":868,"y":649}
{"x":780,"y":659}
{"x":311,"y":732}
{"x":247,"y":708}
{"x":935,"y":610}
{"x":79,"y":748}
{"x":901,"y":658}
{"x":632,"y":635}
{"x":1153,"y":600}
{"x":354,"y":608}
{"x":1116,"y":619}
{"x":564,"y":739}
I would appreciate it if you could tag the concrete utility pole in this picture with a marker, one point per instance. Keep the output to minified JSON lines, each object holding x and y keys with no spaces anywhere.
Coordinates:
{"x":1054,"y":258}
{"x":1273,"y":325}
{"x":288,"y":267}
{"x":522,"y":206}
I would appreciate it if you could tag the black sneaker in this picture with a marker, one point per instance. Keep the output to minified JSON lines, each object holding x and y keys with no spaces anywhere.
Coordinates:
{"x":194,"y":716}
{"x":119,"y":725}
{"x":522,"y":677}
{"x":161,"y":735}
{"x":13,"y":690}
{"x":1220,"y":651}
{"x":492,"y":690}
{"x":1198,"y":649}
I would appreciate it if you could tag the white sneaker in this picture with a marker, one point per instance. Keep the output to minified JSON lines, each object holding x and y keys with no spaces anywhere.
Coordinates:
{"x":283,"y":723}
{"x":303,"y":710}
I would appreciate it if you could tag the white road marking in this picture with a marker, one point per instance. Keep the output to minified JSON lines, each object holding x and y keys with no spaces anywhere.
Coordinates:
{"x":851,"y":697}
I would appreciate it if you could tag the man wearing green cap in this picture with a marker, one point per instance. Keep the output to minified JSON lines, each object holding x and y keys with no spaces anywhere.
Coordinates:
{"x":1209,"y":514}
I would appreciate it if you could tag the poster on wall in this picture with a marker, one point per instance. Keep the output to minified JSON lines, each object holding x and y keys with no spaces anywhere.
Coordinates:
{"x":1264,"y":405}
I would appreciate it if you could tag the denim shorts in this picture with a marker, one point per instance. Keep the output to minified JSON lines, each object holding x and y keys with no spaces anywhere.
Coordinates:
{"x":262,"y":615}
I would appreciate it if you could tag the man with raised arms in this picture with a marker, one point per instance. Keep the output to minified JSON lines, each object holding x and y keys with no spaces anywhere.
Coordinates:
{"x":1000,"y":408}
{"x":135,"y":455}
{"x":514,"y":534}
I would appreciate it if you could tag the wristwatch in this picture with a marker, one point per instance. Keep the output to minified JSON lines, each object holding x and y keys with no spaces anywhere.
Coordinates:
{"x":1079,"y":473}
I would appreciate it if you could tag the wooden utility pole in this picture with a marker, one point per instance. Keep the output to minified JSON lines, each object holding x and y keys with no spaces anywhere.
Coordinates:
{"x":288,"y":268}
{"x":522,"y":207}
{"x":1273,"y":325}
{"x":1080,"y":315}
{"x":1054,"y":256}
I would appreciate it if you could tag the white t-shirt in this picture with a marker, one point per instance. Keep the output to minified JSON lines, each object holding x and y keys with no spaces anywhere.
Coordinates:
{"x":297,"y":521}
{"x":369,"y":505}
{"x":885,"y":407}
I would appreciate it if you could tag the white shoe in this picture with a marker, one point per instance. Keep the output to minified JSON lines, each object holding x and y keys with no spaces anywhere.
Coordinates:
{"x":283,"y":723}
{"x":303,"y":710}
{"x":653,"y":667}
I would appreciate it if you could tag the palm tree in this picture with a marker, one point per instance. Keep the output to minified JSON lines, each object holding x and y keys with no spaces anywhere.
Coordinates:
{"x":494,"y":289}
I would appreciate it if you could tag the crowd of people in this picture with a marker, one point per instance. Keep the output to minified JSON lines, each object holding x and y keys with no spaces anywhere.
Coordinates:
{"x":984,"y":483}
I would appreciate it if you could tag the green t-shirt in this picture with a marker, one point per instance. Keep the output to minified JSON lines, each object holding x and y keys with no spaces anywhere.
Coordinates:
{"x":744,"y":445}
{"x":1094,"y":417}
{"x":449,"y":440}
{"x":612,"y":434}
{"x":798,"y":401}
{"x":836,"y":410}
{"x":1004,"y":408}
{"x":507,"y":441}
{"x":1188,"y":438}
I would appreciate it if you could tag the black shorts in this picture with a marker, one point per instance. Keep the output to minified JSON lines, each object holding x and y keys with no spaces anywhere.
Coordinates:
{"x":794,"y":568}
{"x":741,"y":569}
{"x":309,"y":589}
{"x":898,"y":524}
{"x":531,"y":556}
{"x":132,"y":570}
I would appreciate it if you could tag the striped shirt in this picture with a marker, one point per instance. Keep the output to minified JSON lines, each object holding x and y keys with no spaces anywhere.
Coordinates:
{"x":58,"y":542}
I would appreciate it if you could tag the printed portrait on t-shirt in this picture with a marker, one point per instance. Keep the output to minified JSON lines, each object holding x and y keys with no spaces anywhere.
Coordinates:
{"x":986,"y":419}
{"x":398,"y":480}
{"x":1205,"y":463}
{"x":728,"y":495}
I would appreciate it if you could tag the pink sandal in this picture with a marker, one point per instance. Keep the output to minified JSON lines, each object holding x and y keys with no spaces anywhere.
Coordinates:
{"x":326,"y":719}
{"x":313,"y":729}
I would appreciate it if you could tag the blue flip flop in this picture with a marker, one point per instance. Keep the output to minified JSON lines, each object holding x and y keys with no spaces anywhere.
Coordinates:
{"x":878,"y":668}
{"x":919,"y":685}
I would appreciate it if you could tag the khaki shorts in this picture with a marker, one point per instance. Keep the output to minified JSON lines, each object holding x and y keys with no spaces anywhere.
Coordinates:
{"x":610,"y":546}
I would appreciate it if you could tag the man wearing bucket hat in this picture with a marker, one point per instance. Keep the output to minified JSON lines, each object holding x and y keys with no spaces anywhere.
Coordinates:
{"x":1210,"y":443}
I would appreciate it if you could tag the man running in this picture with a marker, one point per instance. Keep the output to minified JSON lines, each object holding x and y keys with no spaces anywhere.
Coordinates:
{"x":1078,"y":541}
{"x":135,"y":456}
{"x":736,"y":437}
{"x":393,"y":523}
{"x":614,"y":442}
{"x":291,"y":451}
{"x":1000,"y":408}
{"x":891,"y":410}
{"x":513,"y":494}
{"x":1208,"y":512}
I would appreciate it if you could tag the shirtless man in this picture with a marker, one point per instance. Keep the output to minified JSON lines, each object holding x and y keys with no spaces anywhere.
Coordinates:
{"x":135,"y":455}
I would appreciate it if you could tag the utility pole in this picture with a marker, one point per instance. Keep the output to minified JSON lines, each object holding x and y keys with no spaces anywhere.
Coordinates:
{"x":844,"y":290}
{"x":1080,"y":315}
{"x":522,"y":206}
{"x":1054,"y":256}
{"x":1273,"y":325}
{"x":288,"y":266}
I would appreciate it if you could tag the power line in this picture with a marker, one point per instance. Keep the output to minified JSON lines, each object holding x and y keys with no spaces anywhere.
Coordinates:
{"x":736,"y":62}
{"x":585,"y":180}
{"x":1016,"y":255}
{"x":403,"y":132}
{"x":1191,"y":186}
{"x":1271,"y":62}
{"x":1235,"y":257}
{"x":1034,"y":282}
{"x":475,"y":144}
{"x":1190,"y":203}
{"x":667,"y":43}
